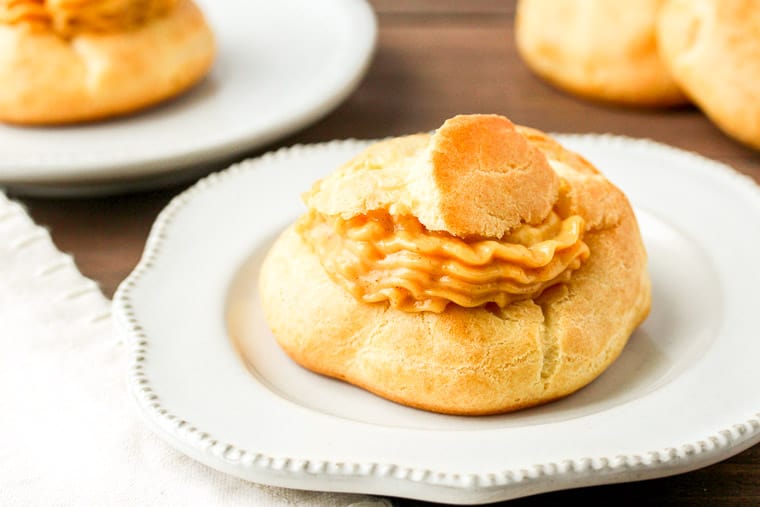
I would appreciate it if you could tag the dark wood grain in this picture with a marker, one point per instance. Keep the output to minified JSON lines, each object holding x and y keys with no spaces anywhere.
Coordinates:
{"x":437,"y":58}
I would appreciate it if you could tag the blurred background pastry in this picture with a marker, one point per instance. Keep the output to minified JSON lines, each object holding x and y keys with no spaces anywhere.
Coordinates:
{"x":599,"y":49}
{"x":64,"y":61}
{"x":712,"y":49}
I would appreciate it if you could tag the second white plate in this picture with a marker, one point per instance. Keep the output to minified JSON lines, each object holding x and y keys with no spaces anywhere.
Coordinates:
{"x":681,"y":396}
{"x":280,"y":66}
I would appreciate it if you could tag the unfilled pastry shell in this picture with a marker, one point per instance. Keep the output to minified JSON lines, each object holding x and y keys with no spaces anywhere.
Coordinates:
{"x":712,"y":49}
{"x":599,"y":49}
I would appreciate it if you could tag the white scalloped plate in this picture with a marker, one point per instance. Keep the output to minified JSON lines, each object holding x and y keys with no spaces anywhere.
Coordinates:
{"x":683,"y":394}
{"x":280,"y":66}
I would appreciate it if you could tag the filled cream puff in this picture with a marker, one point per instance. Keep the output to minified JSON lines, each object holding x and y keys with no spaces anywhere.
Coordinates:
{"x":64,"y":61}
{"x":478,"y":270}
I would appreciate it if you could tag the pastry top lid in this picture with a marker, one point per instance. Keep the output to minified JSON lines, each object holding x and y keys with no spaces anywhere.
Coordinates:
{"x":475,"y":176}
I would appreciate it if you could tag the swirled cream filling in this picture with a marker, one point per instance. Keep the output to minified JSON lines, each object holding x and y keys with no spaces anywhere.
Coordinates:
{"x":378,"y":257}
{"x":68,"y":17}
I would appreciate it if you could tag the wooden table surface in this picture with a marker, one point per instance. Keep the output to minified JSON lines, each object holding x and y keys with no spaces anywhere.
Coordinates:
{"x":437,"y":58}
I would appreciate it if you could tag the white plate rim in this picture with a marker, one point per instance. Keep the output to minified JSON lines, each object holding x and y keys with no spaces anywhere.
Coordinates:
{"x":88,"y":169}
{"x":465,"y":488}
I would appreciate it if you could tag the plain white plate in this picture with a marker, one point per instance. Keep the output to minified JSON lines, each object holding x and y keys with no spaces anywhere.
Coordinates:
{"x":683,"y":394}
{"x":280,"y":66}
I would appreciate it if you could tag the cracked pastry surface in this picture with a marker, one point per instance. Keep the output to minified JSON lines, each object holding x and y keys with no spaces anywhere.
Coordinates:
{"x":67,"y":61}
{"x":530,"y":296}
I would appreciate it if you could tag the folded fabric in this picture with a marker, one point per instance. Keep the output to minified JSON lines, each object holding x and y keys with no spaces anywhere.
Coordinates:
{"x":70,"y":433}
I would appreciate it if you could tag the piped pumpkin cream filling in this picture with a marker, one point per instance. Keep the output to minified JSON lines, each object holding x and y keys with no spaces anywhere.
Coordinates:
{"x":68,"y":17}
{"x":378,"y":257}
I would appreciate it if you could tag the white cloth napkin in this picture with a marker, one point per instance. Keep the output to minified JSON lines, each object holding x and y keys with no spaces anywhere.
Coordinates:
{"x":69,"y":434}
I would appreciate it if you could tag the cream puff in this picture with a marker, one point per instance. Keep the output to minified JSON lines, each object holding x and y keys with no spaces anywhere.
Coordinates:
{"x":476,"y":270}
{"x":712,"y":49}
{"x":600,"y":49}
{"x":64,"y":61}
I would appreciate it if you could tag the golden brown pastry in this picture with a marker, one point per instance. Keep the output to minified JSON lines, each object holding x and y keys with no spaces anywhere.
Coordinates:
{"x":477,"y":270}
{"x":65,"y":61}
{"x":599,"y":49}
{"x":712,"y":49}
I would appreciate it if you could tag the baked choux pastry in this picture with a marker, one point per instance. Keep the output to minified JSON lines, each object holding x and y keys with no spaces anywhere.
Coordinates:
{"x":64,"y":61}
{"x":712,"y":49}
{"x":599,"y":49}
{"x":478,"y":270}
